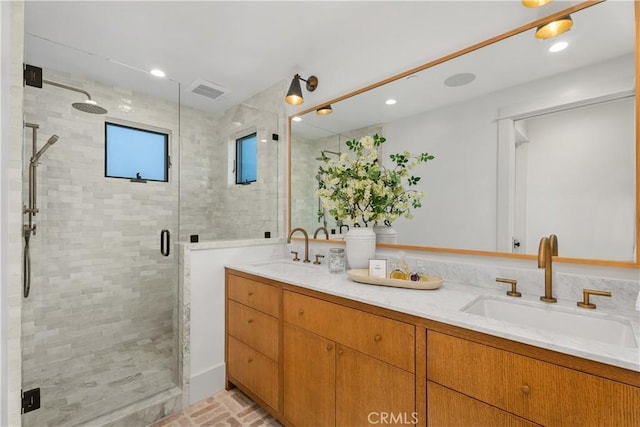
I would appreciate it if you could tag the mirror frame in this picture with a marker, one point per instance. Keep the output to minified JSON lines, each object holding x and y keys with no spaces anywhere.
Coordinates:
{"x":474,"y":47}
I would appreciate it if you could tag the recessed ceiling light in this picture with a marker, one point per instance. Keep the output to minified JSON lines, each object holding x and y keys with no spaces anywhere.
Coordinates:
{"x":460,"y":79}
{"x":297,"y":119}
{"x":157,"y":72}
{"x":263,"y":140}
{"x":557,"y":47}
{"x":390,"y":101}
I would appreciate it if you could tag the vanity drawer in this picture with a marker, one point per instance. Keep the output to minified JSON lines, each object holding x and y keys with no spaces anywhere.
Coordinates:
{"x":446,"y":408}
{"x":254,"y":370}
{"x":260,"y":296}
{"x":385,"y":339}
{"x":253,"y":328}
{"x":539,"y":391}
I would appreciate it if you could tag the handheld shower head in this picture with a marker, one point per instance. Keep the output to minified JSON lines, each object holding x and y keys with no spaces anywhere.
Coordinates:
{"x":44,"y":148}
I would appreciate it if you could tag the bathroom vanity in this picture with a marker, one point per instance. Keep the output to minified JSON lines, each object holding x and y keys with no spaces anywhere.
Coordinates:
{"x":317,"y":349}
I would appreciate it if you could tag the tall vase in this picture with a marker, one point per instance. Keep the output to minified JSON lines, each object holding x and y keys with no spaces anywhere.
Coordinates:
{"x":385,"y":234}
{"x":360,"y":246}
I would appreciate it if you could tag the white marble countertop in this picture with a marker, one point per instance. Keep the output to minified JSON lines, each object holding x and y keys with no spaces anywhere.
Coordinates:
{"x":446,"y":304}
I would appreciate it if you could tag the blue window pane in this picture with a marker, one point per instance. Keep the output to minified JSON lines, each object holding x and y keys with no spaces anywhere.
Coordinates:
{"x":132,"y":153}
{"x":246,"y":159}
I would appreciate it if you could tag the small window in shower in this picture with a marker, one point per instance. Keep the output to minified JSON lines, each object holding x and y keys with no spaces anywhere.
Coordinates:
{"x":246,"y":159}
{"x":135,"y":153}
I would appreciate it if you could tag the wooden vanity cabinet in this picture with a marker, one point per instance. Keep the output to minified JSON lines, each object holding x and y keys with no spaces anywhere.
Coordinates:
{"x":340,"y":365}
{"x":318,"y":360}
{"x":253,"y":338}
{"x":490,"y":383}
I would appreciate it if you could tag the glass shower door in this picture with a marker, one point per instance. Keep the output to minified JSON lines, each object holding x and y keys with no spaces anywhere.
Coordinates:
{"x":99,"y":327}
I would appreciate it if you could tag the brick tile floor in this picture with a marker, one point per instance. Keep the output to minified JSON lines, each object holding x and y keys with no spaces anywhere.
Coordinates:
{"x":226,"y":408}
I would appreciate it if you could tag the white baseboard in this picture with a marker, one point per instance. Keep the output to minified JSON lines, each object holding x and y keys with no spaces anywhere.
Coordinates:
{"x":206,"y":383}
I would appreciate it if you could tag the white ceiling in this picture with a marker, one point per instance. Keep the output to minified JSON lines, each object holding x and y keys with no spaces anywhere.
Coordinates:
{"x":248,"y":46}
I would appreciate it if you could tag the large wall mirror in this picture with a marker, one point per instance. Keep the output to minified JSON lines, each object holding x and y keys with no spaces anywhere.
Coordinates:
{"x":527,"y":141}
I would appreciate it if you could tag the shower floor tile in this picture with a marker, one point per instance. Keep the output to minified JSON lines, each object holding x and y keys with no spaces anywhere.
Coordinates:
{"x":80,"y":389}
{"x":226,"y":408}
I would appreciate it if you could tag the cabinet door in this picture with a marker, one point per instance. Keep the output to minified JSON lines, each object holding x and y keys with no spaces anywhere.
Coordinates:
{"x":254,"y":370}
{"x":369,"y":391}
{"x":447,"y":408}
{"x":309,"y":378}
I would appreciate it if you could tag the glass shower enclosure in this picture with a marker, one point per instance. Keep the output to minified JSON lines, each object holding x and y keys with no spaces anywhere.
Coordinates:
{"x":100,"y":321}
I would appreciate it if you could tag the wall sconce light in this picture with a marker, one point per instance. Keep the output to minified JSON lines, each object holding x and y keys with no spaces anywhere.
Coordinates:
{"x":535,"y":3}
{"x":554,"y":28}
{"x":323,"y":111}
{"x":294,"y":95}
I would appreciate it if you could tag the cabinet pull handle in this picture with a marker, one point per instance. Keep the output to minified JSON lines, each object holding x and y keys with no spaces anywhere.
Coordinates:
{"x":301,"y":312}
{"x":250,"y":321}
{"x":250,"y":293}
{"x":525,"y":389}
{"x":329,"y":347}
{"x":250,"y":360}
{"x":377,"y":338}
{"x":340,"y":352}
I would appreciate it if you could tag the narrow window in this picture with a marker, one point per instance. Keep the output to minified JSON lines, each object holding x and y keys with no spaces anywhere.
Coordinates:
{"x":135,"y":153}
{"x":246,"y":159}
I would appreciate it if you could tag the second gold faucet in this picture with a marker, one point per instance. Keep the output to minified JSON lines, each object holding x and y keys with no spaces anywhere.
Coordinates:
{"x":548,"y":249}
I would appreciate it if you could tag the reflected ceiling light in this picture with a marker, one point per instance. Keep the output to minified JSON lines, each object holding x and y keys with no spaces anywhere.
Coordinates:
{"x":390,"y":101}
{"x":157,"y":72}
{"x":554,"y":28}
{"x":294,"y":95}
{"x":323,"y":111}
{"x":297,"y":119}
{"x":535,"y":3}
{"x":557,"y":47}
{"x":238,"y":118}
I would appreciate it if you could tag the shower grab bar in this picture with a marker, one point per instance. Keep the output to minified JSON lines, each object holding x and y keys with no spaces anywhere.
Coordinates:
{"x":165,"y":242}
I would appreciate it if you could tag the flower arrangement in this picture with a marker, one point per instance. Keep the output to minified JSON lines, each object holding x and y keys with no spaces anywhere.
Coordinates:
{"x":360,"y":189}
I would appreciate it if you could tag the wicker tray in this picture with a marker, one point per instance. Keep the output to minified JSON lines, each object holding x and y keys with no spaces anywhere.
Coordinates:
{"x":362,"y":276}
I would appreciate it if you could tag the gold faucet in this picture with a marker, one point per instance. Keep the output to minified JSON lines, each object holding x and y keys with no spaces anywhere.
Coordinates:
{"x":306,"y":242}
{"x":548,"y":248}
{"x":326,"y":233}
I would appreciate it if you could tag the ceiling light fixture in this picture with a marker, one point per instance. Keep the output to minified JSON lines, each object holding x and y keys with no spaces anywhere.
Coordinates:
{"x":535,"y":3}
{"x":157,"y":72}
{"x":558,"y":46}
{"x":554,"y":28}
{"x":323,"y":111}
{"x":390,"y":101}
{"x":297,"y":119}
{"x":294,"y":95}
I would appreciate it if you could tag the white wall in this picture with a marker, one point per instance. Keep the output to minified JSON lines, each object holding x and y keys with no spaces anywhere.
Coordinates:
{"x":207,"y":263}
{"x":12,"y":32}
{"x":459,"y":209}
{"x":593,"y":209}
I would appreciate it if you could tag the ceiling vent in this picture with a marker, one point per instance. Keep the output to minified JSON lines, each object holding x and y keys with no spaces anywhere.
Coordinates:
{"x":207,"y":89}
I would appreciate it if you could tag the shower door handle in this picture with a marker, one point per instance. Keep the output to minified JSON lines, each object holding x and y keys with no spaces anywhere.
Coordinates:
{"x":165,"y":242}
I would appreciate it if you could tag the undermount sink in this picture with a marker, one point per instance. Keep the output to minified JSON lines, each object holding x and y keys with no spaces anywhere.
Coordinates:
{"x":559,"y":320}
{"x":285,"y":267}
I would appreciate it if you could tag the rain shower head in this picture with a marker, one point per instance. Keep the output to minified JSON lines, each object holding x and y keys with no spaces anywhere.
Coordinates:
{"x":88,"y":106}
{"x":44,"y":148}
{"x":324,"y":154}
